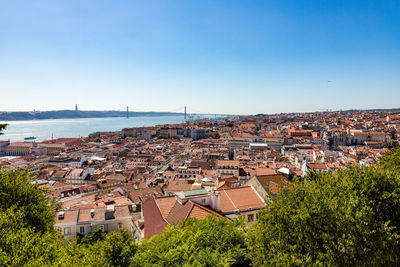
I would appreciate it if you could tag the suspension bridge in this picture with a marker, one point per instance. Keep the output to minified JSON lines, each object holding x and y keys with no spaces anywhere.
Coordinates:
{"x":188,"y":114}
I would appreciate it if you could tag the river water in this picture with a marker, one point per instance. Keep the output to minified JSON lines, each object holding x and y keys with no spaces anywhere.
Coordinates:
{"x":44,"y":129}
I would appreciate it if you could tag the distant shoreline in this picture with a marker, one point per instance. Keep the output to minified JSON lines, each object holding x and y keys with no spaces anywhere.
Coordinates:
{"x":87,"y":114}
{"x":72,"y":114}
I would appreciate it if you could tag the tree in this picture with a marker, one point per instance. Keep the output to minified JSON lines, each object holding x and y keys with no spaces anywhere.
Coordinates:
{"x":17,"y":191}
{"x":28,"y":236}
{"x":91,"y":238}
{"x":215,"y":135}
{"x":208,"y":242}
{"x":2,"y":127}
{"x":351,"y":217}
{"x":391,"y":160}
{"x":117,"y":249}
{"x":392,"y":145}
{"x":21,"y":244}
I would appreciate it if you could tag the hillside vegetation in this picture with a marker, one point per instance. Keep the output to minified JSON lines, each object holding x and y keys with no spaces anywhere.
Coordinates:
{"x":351,"y":217}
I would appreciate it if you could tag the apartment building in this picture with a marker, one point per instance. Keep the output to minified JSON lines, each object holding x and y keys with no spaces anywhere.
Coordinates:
{"x":82,"y":221}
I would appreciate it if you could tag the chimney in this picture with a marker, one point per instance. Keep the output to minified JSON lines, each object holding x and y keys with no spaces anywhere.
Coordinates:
{"x":216,"y":201}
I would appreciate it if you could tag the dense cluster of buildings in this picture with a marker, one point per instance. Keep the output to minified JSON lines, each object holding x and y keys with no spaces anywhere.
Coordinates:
{"x":144,"y":179}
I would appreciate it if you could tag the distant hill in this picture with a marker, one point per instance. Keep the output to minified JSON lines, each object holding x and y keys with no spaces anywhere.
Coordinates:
{"x":72,"y":114}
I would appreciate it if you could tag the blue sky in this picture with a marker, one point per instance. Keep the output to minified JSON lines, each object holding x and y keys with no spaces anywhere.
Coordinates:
{"x":241,"y":57}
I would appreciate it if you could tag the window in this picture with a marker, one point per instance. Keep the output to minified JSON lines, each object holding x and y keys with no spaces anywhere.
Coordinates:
{"x":203,"y":201}
{"x":82,"y":230}
{"x":250,"y":217}
{"x":67,"y":231}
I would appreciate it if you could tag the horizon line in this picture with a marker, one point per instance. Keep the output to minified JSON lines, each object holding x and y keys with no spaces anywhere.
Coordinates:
{"x":175,"y":112}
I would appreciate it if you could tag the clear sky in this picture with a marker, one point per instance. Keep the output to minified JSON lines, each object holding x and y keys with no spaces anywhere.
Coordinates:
{"x":240,"y":57}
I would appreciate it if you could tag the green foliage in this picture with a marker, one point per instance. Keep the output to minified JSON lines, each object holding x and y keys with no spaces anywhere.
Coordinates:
{"x":393,"y":145}
{"x":209,"y":242}
{"x":117,"y":249}
{"x":27,"y":235}
{"x":112,"y":249}
{"x":72,"y":254}
{"x":20,"y":244}
{"x":311,"y":175}
{"x":94,"y":135}
{"x":2,"y":127}
{"x":215,"y":135}
{"x":94,"y":236}
{"x":348,"y":218}
{"x":18,"y":192}
{"x":391,"y":160}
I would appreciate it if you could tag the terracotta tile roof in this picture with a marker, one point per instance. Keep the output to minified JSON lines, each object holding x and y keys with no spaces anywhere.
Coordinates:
{"x":154,"y":222}
{"x":165,"y":205}
{"x":278,"y":179}
{"x":75,"y":172}
{"x":240,"y":198}
{"x":21,"y":144}
{"x":76,"y":201}
{"x":209,"y":173}
{"x":59,"y":173}
{"x":229,"y":178}
{"x":88,"y":187}
{"x":265,"y":171}
{"x":84,"y":215}
{"x":159,"y":212}
{"x":99,"y":214}
{"x":189,"y":209}
{"x":317,"y":166}
{"x":121,"y":212}
{"x":273,"y":187}
{"x":223,"y":185}
{"x":116,"y":176}
{"x":60,"y":184}
{"x":198,"y":211}
{"x":179,"y":212}
{"x":250,"y":171}
{"x":52,"y":145}
{"x":178,"y":185}
{"x":136,"y":195}
{"x":70,"y":216}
